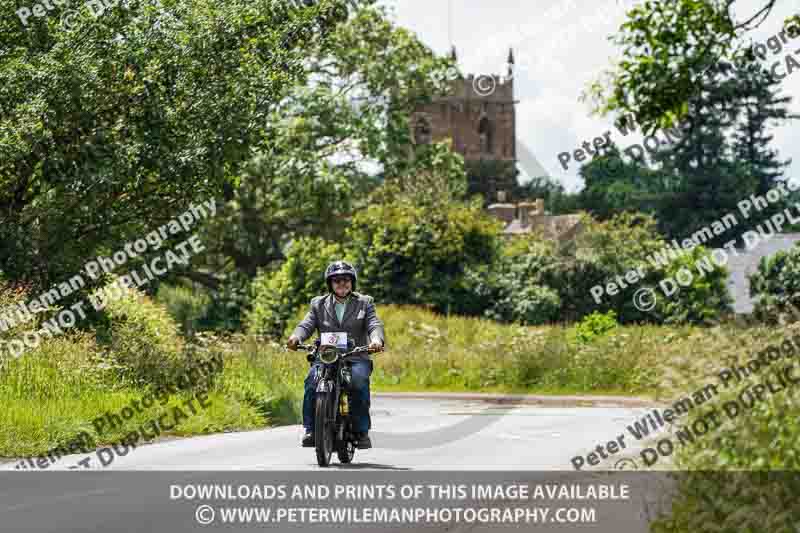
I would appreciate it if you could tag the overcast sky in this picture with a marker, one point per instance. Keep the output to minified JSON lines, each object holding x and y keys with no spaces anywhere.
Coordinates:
{"x":561,"y":46}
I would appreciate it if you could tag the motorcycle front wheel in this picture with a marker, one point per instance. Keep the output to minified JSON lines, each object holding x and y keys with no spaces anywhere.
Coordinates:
{"x":323,"y":428}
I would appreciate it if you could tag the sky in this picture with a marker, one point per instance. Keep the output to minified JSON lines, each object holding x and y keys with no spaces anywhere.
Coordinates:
{"x":560,"y":47}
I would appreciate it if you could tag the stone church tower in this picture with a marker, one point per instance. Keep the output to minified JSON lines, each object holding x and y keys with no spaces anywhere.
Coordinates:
{"x":479,"y":118}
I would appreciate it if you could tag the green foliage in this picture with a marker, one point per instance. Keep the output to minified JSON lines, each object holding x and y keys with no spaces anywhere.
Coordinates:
{"x":602,"y":251}
{"x":776,"y":285}
{"x":485,"y":176}
{"x":614,"y":185}
{"x":668,"y":45}
{"x":187,"y":306}
{"x":96,"y":126}
{"x":690,"y":78}
{"x":436,"y":178}
{"x":411,"y":254}
{"x":720,"y":154}
{"x":141,"y":338}
{"x":311,"y":177}
{"x":277,"y":295}
{"x":11,"y":295}
{"x":748,"y":462}
{"x":266,"y":378}
{"x":556,"y":200}
{"x":54,"y":392}
{"x":433,"y":352}
{"x":595,"y":325}
{"x":535,"y":282}
{"x":742,"y":501}
{"x":512,"y":289}
{"x":629,"y":241}
{"x":705,"y":299}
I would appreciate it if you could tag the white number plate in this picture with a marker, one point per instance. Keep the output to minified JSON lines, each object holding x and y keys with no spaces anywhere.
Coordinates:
{"x":338,"y":339}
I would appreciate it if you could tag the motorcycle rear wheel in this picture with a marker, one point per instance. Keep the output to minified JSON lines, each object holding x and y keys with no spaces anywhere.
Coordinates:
{"x":346,"y":452}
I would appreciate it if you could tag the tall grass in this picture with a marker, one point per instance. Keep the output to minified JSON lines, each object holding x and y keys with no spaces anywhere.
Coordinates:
{"x":53,"y":393}
{"x":427,"y":351}
{"x":187,"y":306}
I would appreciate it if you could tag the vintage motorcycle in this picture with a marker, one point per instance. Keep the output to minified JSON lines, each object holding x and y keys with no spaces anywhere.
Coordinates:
{"x":333,"y":425}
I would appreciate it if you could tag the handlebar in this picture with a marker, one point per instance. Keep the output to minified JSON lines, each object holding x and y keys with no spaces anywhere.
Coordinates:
{"x":358,"y":350}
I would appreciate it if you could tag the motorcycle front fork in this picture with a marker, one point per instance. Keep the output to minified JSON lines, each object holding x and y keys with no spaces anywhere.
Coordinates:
{"x":345,"y":430}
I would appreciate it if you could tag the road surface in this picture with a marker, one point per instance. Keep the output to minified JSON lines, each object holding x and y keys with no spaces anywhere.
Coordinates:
{"x":429,"y":443}
{"x":439,"y":433}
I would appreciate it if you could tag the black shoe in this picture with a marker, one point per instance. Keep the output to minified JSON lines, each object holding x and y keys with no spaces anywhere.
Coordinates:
{"x":362,"y":441}
{"x":308,"y":440}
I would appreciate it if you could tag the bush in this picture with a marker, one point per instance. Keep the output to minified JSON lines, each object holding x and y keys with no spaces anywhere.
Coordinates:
{"x":595,"y":325}
{"x":749,"y":462}
{"x":605,"y":251}
{"x":189,"y":307}
{"x":776,"y":285}
{"x":278,"y":295}
{"x":410,"y":254}
{"x":142,"y":339}
{"x":511,"y":290}
{"x":10,"y":295}
{"x":535,"y":281}
{"x":705,"y":298}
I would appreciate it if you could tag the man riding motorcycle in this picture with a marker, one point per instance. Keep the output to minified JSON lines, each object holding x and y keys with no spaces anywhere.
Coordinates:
{"x":342,"y":310}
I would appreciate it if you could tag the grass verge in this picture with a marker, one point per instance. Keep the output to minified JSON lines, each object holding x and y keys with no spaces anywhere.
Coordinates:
{"x":51,"y":395}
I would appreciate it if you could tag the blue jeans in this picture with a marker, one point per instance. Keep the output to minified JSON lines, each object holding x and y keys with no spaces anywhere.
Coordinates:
{"x":359,"y":396}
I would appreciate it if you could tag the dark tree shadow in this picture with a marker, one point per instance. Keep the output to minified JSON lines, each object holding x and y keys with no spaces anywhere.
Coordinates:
{"x":360,"y":466}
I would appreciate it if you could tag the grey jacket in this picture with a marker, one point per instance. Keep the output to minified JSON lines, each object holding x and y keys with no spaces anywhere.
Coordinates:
{"x":359,"y":320}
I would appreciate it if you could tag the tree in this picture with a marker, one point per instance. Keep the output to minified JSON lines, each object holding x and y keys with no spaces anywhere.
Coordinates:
{"x":411,"y":254}
{"x":556,"y":199}
{"x":775,"y":286}
{"x":721,"y":156}
{"x":668,"y":45}
{"x":410,"y":244}
{"x":760,"y":106}
{"x":351,"y":113}
{"x":118,"y":125}
{"x":436,"y":178}
{"x":278,"y":295}
{"x":487,"y":176}
{"x":711,"y":181}
{"x":613,"y":185}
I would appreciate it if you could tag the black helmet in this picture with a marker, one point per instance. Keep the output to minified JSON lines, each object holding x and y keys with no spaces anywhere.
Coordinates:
{"x":340,"y":268}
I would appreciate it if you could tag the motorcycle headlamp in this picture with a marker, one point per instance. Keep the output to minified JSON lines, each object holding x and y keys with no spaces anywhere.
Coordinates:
{"x":328,"y":354}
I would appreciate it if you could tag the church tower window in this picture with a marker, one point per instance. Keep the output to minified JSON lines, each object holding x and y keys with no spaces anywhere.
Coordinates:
{"x":485,"y":133}
{"x":422,"y":131}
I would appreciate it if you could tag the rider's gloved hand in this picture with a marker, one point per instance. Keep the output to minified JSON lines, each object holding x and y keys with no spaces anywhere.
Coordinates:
{"x":292,"y":342}
{"x":376,"y":345}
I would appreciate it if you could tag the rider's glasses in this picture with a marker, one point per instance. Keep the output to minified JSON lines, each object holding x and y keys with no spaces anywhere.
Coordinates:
{"x":340,"y":279}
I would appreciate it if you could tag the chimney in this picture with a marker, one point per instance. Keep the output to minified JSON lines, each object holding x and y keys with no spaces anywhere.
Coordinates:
{"x":501,"y":210}
{"x":526,"y":209}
